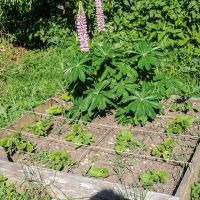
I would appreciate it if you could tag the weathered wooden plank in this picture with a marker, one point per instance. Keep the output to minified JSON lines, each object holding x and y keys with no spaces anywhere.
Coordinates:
{"x":190,"y":176}
{"x":3,"y":154}
{"x":62,"y":185}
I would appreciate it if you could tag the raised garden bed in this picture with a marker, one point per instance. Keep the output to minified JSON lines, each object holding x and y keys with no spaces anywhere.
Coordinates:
{"x":124,"y":168}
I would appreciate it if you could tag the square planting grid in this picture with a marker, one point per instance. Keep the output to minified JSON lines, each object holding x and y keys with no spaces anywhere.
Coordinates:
{"x":126,"y":170}
{"x":123,"y":169}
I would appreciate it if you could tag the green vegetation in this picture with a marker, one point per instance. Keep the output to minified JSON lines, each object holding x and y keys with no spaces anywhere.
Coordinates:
{"x":79,"y":136}
{"x":54,"y":160}
{"x":130,"y":67}
{"x":55,"y":110}
{"x":8,"y":191}
{"x":165,"y":149}
{"x":99,"y":172}
{"x":27,"y":80}
{"x":195,"y":195}
{"x":117,"y":79}
{"x":67,"y":97}
{"x":150,"y":178}
{"x":125,"y":140}
{"x":180,"y":124}
{"x":41,"y":127}
{"x":181,"y":105}
{"x":16,"y":142}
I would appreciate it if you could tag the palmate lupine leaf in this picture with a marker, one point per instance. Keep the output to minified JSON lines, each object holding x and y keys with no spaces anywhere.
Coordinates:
{"x":142,"y":105}
{"x":168,"y":85}
{"x":146,"y":55}
{"x":123,"y":87}
{"x":77,"y":68}
{"x":96,"y":99}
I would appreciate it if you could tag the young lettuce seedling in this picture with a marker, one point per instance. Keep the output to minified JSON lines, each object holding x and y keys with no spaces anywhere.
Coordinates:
{"x":41,"y":127}
{"x":15,"y":142}
{"x":180,"y":124}
{"x":126,"y":140}
{"x":99,"y":172}
{"x":165,"y":149}
{"x":55,"y":110}
{"x":79,"y":136}
{"x":150,"y":178}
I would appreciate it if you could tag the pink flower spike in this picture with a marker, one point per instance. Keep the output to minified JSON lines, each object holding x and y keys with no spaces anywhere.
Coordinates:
{"x":100,"y":15}
{"x":81,"y":26}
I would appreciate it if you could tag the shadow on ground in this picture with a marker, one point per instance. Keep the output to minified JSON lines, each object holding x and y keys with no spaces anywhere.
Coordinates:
{"x":107,"y":195}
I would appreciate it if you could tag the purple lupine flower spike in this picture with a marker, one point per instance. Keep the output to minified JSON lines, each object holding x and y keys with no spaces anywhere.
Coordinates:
{"x":81,"y":25}
{"x":100,"y":15}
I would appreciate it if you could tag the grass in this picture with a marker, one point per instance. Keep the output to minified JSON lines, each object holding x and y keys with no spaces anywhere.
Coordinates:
{"x":27,"y":79}
{"x":8,"y":191}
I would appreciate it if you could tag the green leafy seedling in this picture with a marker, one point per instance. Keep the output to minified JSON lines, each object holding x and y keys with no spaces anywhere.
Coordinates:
{"x":55,"y":110}
{"x":165,"y":149}
{"x":15,"y":143}
{"x":55,"y":160}
{"x":126,"y":140}
{"x":181,"y":105}
{"x":41,"y":127}
{"x":67,"y":97}
{"x":99,"y":172}
{"x":79,"y":136}
{"x":150,"y":178}
{"x":180,"y":124}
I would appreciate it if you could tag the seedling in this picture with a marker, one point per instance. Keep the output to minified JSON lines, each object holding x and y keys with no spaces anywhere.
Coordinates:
{"x":54,"y":160}
{"x":126,"y":140}
{"x":79,"y":136}
{"x":182,"y":104}
{"x":180,"y":124}
{"x":99,"y":172}
{"x":15,"y":142}
{"x":55,"y":110}
{"x":150,"y":178}
{"x":165,"y":149}
{"x":41,"y":127}
{"x":67,"y":97}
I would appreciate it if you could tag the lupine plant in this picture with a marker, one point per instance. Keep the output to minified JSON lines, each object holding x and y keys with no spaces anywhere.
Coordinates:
{"x":100,"y":15}
{"x":81,"y":24}
{"x":109,"y":78}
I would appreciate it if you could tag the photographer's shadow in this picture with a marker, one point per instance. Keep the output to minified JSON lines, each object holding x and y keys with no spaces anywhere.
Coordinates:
{"x":107,"y":195}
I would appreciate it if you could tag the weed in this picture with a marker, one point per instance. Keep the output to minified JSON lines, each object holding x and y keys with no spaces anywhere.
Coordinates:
{"x":195,"y":195}
{"x":8,"y":191}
